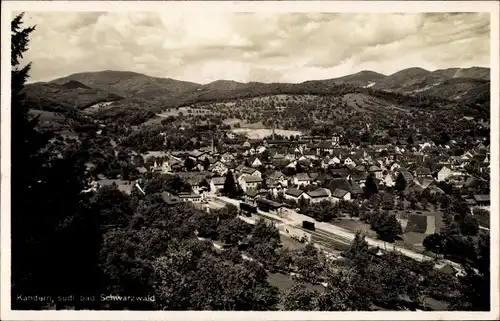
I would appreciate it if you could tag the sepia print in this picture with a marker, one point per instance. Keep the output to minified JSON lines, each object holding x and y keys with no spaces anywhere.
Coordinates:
{"x":250,"y":161}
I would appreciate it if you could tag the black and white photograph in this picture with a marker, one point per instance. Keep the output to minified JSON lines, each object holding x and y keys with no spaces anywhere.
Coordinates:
{"x":166,"y":159}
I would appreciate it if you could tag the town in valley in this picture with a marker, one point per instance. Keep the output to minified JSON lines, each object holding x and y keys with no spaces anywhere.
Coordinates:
{"x":369,"y":191}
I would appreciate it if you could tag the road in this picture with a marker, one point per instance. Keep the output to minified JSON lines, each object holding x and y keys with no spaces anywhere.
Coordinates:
{"x":295,"y":219}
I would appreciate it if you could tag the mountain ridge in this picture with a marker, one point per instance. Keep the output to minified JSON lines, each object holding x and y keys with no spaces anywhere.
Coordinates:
{"x":127,"y":88}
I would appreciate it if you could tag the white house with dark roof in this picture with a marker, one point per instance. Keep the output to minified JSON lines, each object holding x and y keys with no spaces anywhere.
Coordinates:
{"x":219,"y":167}
{"x":340,"y":194}
{"x":217,"y":184}
{"x":250,"y":171}
{"x":377,"y":171}
{"x":249,"y":182}
{"x":293,"y":194}
{"x":318,"y":195}
{"x":445,"y":172}
{"x":302,"y":179}
{"x":198,"y":155}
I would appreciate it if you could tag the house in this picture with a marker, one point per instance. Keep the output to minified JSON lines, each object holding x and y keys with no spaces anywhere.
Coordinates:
{"x":302,"y":179}
{"x":292,"y":164}
{"x":170,"y":199}
{"x":197,"y":155}
{"x":310,"y":154}
{"x":219,"y":167}
{"x":277,"y":178}
{"x":249,"y":182}
{"x":359,"y":177}
{"x":260,"y":149}
{"x":318,"y":195}
{"x":293,"y":194}
{"x":376,"y":171}
{"x":250,"y":171}
{"x":388,"y":180}
{"x":227,"y":157}
{"x":190,"y":197}
{"x":254,"y":162}
{"x":217,"y":184}
{"x":444,"y":173}
{"x":340,"y":194}
{"x":339,"y":172}
{"x":482,"y":200}
{"x":325,"y":146}
{"x":349,"y":185}
{"x":424,"y":182}
{"x":323,"y":178}
{"x":423,"y":172}
{"x":406,"y":175}
{"x":250,"y":196}
{"x":349,"y":161}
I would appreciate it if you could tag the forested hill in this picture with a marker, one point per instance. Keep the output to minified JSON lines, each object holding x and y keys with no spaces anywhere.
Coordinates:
{"x":136,"y":98}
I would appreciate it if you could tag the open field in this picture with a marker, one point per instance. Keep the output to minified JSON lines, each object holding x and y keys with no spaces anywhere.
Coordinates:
{"x":124,"y":186}
{"x":355,"y":226}
{"x":261,"y":133}
{"x":185,"y":111}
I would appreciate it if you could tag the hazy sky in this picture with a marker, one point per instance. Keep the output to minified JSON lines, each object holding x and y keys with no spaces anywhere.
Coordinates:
{"x":268,"y":47}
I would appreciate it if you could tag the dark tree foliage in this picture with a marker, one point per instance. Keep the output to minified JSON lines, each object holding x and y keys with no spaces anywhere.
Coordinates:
{"x":387,"y":227}
{"x":189,"y":163}
{"x":54,"y":230}
{"x":475,"y":285}
{"x":434,"y":243}
{"x":298,"y":298}
{"x":400,"y":184}
{"x":230,"y":188}
{"x":371,"y":187}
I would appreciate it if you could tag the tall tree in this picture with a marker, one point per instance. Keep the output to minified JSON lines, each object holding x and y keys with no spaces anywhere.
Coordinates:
{"x":410,"y":140}
{"x":230,"y":185}
{"x":388,"y":228}
{"x":371,"y":187}
{"x":400,"y":184}
{"x":54,"y":229}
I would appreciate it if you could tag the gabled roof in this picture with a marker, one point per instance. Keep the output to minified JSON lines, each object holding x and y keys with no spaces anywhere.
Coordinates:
{"x":248,"y":170}
{"x":218,"y":180}
{"x":252,"y":179}
{"x":406,"y":174}
{"x":424,"y":182}
{"x":276,"y":175}
{"x":188,"y":195}
{"x":423,"y":171}
{"x":348,"y":185}
{"x":359,"y":176}
{"x":343,"y":172}
{"x":251,"y":193}
{"x":302,"y":177}
{"x":482,"y":198}
{"x":196,"y":153}
{"x":320,"y":192}
{"x":293,"y":192}
{"x":374,"y":168}
{"x":339,"y":193}
{"x":313,"y":176}
{"x":360,"y":168}
{"x":169,"y":198}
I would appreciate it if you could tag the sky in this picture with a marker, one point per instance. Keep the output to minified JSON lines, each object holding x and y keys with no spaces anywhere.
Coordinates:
{"x":267,"y":47}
